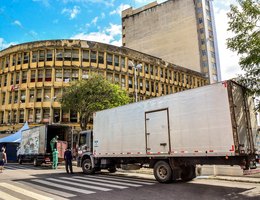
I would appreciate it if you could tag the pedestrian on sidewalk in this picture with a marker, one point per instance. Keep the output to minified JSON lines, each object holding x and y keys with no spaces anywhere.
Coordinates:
{"x":68,"y":160}
{"x":55,"y":159}
{"x":3,"y":159}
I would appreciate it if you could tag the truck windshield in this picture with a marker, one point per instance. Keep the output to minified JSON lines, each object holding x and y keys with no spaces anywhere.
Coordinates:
{"x":82,"y":139}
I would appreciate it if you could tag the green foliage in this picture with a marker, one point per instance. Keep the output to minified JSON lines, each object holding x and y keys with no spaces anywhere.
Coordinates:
{"x":244,"y":22}
{"x":91,"y":95}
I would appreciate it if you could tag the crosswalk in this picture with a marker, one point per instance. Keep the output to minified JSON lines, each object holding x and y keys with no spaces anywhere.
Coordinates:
{"x":15,"y":166}
{"x":67,"y":187}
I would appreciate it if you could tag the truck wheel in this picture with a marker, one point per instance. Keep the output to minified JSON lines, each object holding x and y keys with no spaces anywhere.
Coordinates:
{"x":188,"y":172}
{"x":162,"y":172}
{"x":35,"y":162}
{"x":112,"y":169}
{"x":87,"y":167}
{"x":20,"y":161}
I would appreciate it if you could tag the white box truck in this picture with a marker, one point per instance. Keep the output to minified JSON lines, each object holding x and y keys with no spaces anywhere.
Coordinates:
{"x":214,"y":124}
{"x":35,"y":143}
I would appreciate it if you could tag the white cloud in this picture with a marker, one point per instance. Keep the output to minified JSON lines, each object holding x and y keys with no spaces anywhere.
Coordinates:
{"x":228,"y":59}
{"x":44,"y":2}
{"x":109,"y":35}
{"x":4,"y":45}
{"x":71,"y":12}
{"x":119,"y":9}
{"x":94,"y":21}
{"x":18,"y":23}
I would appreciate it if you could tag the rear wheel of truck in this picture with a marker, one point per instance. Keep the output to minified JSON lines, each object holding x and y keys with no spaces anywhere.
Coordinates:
{"x":35,"y":162}
{"x":162,"y":172}
{"x":20,"y":161}
{"x":112,"y":169}
{"x":188,"y":172}
{"x":87,"y":167}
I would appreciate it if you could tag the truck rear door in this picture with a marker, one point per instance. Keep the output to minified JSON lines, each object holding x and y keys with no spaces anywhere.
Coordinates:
{"x":157,"y":132}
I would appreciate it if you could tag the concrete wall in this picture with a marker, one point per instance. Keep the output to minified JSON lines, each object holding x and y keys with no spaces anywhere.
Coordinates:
{"x":167,"y":30}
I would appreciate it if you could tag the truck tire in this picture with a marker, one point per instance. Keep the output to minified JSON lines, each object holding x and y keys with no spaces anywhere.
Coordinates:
{"x":112,"y":169}
{"x":20,"y":161}
{"x":35,"y":162}
{"x":188,"y":172}
{"x":162,"y":172}
{"x":87,"y":167}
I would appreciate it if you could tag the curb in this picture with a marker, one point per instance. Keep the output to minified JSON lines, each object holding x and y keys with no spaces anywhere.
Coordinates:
{"x":235,"y":179}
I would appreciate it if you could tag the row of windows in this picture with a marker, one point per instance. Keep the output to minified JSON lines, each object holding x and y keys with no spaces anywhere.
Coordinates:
{"x":38,"y":115}
{"x":67,"y":75}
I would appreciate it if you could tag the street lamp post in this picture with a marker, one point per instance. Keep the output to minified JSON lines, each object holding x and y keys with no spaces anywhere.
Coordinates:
{"x":139,"y":66}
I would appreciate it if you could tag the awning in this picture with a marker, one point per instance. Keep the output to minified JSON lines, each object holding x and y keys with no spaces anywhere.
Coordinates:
{"x":16,"y":137}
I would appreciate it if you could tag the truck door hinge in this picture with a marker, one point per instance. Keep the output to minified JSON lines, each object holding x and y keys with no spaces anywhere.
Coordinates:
{"x":148,"y":149}
{"x":147,"y":119}
{"x":147,"y":133}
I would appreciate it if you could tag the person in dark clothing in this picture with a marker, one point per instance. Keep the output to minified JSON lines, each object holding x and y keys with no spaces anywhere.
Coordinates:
{"x":68,"y":160}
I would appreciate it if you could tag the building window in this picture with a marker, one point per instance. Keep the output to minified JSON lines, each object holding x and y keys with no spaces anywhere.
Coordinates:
{"x":46,"y":114}
{"x":200,"y":20}
{"x":147,"y":86}
{"x":33,"y":74}
{"x":199,"y":10}
{"x":24,"y":76}
{"x":123,"y":81}
{"x":41,"y":56}
{"x":101,"y":57}
{"x":7,"y":59}
{"x":116,"y":78}
{"x":66,"y":76}
{"x":10,"y":97}
{"x":152,"y":86}
{"x":109,"y":59}
{"x":3,"y":98}
{"x":210,"y":34}
{"x":11,"y":79}
{"x":130,"y":82}
{"x":75,"y":75}
{"x":141,"y":84}
{"x":151,"y":69}
{"x":58,"y":75}
{"x":39,"y":95}
{"x":59,"y":55}
{"x":17,"y":78}
{"x":85,"y":56}
{"x":93,"y":56}
{"x":19,"y":60}
{"x":161,"y":72}
{"x":212,"y":44}
{"x":25,"y":57}
{"x":21,"y":116}
{"x":34,"y":56}
{"x":84,"y":74}
{"x":205,"y":64}
{"x":212,"y":54}
{"x":57,"y":94}
{"x":65,"y":116}
{"x":204,"y":53}
{"x":146,"y":68}
{"x":22,"y":96}
{"x":49,"y":55}
{"x":56,"y":117}
{"x":116,"y":60}
{"x":14,"y":60}
{"x":202,"y":42}
{"x":131,"y":64}
{"x":73,"y":116}
{"x":40,"y":75}
{"x":16,"y":97}
{"x":38,"y":116}
{"x":75,"y":55}
{"x":48,"y":73}
{"x":110,"y":77}
{"x":31,"y":95}
{"x":67,"y":55}
{"x":201,"y":30}
{"x":30,"y":115}
{"x":122,"y":62}
{"x":47,"y":94}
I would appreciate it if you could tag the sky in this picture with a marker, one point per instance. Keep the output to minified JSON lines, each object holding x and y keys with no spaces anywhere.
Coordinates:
{"x":95,"y":20}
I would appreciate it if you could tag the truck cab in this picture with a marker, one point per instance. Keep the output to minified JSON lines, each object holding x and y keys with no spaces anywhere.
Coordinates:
{"x":85,"y":146}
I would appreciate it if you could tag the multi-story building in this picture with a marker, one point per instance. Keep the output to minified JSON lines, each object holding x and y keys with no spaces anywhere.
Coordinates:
{"x":178,"y":31}
{"x":33,"y":75}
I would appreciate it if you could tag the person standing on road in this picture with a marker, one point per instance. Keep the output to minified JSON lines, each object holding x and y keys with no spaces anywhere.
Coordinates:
{"x":3,"y":159}
{"x":55,"y":159}
{"x":68,"y":160}
{"x":53,"y":143}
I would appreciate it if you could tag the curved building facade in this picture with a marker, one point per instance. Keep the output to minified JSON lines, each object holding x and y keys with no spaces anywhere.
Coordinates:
{"x":33,"y":75}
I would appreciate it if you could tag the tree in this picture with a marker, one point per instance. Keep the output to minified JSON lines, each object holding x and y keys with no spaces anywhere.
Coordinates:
{"x":91,"y":95}
{"x":244,"y":22}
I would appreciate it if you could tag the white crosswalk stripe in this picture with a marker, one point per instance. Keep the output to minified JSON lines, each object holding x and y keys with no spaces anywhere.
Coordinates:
{"x":123,"y":180}
{"x":66,"y":187}
{"x":101,"y":184}
{"x":62,"y":186}
{"x":24,"y":192}
{"x":108,"y":181}
{"x":78,"y":184}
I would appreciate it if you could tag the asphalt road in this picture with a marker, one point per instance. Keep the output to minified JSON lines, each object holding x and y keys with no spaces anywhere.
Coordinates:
{"x":26,"y":182}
